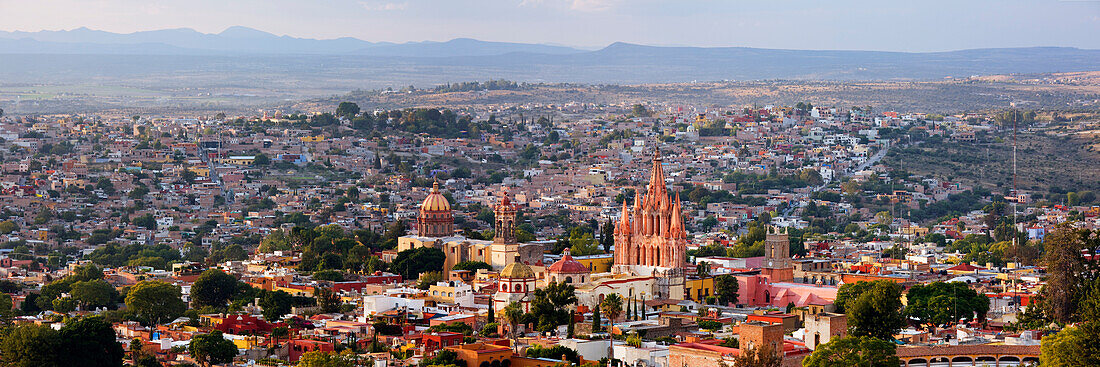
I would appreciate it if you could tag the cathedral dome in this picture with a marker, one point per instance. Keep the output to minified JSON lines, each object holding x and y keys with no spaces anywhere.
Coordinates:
{"x":517,"y":270}
{"x":435,"y":201}
{"x":567,"y":265}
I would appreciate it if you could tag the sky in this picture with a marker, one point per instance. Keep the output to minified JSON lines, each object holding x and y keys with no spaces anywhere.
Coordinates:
{"x":912,"y":25}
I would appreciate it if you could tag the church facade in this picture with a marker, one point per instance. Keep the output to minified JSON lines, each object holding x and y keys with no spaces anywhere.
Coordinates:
{"x":435,"y":228}
{"x":650,"y":236}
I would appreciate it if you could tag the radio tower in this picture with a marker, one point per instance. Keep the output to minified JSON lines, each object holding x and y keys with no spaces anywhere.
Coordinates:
{"x":1015,"y":200}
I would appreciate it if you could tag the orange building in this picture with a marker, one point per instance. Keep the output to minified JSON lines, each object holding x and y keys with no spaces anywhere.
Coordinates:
{"x":482,"y":354}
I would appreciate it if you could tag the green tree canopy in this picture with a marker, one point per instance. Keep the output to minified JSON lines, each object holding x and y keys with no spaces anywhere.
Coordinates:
{"x":726,"y":288}
{"x":943,"y":303}
{"x":213,"y":288}
{"x":548,"y":305}
{"x":155,"y":302}
{"x":212,"y":348}
{"x":347,"y":109}
{"x":612,"y":306}
{"x":853,"y":351}
{"x":472,"y":266}
{"x":31,"y":345}
{"x":327,"y":359}
{"x":94,"y":293}
{"x":410,"y":263}
{"x":876,"y":311}
{"x":90,"y":341}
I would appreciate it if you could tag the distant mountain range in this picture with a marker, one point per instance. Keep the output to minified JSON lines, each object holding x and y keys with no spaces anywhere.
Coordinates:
{"x":241,"y":52}
{"x":245,"y":41}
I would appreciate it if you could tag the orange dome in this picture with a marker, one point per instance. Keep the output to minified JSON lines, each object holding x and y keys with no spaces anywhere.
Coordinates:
{"x":567,"y":265}
{"x":435,"y":201}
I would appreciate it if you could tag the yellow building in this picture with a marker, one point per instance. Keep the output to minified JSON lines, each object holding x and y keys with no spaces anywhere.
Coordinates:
{"x":200,"y":171}
{"x":699,"y":289}
{"x":239,"y":160}
{"x":596,"y":263}
{"x":313,"y":139}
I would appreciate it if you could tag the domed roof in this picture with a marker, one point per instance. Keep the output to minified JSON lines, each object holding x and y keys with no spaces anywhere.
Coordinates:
{"x":517,"y":270}
{"x":567,"y":265}
{"x":435,"y":201}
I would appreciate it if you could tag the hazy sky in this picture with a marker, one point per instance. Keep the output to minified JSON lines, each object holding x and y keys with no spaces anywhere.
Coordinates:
{"x":911,"y":25}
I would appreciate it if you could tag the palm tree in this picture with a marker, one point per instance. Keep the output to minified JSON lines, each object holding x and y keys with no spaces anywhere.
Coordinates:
{"x":513,"y":315}
{"x":612,"y":306}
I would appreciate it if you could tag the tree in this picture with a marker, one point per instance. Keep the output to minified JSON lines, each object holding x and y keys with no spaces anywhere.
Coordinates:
{"x":1072,"y":346}
{"x":277,"y":240}
{"x":443,"y":358}
{"x":6,"y":309}
{"x":849,"y":292}
{"x":90,"y":341}
{"x":597,"y":324}
{"x":86,"y":273}
{"x":702,"y":269}
{"x":410,"y":263}
{"x":853,"y":351}
{"x":1064,"y":267}
{"x":94,"y":293}
{"x":212,"y":348}
{"x":726,"y":287}
{"x":607,"y":235}
{"x":31,"y":345}
{"x":513,"y":315}
{"x":710,"y":325}
{"x":327,"y":299}
{"x":347,"y":109}
{"x":454,"y":327}
{"x":327,"y":359}
{"x":548,"y":305}
{"x":213,"y":288}
{"x":884,"y":217}
{"x":429,"y":279}
{"x":155,"y":301}
{"x":876,"y":311}
{"x":147,"y":221}
{"x":943,"y":303}
{"x":612,"y":306}
{"x":7,"y":227}
{"x":557,"y":353}
{"x":763,"y":356}
{"x":261,"y":160}
{"x":275,"y":304}
{"x":708,"y":223}
{"x":472,"y":266}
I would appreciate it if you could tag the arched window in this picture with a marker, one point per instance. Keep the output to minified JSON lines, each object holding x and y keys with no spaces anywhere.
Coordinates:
{"x":568,"y":279}
{"x":503,"y":287}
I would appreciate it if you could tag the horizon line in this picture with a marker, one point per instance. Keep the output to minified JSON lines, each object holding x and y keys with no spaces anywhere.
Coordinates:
{"x":552,"y":44}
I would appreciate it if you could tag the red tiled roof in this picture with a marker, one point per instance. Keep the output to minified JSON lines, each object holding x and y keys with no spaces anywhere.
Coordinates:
{"x":567,"y":265}
{"x":965,"y":267}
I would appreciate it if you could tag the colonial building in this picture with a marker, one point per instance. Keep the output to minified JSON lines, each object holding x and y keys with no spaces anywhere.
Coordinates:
{"x":435,"y":219}
{"x":777,"y":256}
{"x":435,"y":228}
{"x":567,"y":270}
{"x":515,"y":284}
{"x":650,"y":237}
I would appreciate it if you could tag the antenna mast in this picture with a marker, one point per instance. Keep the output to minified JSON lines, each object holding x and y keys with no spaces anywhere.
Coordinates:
{"x":1016,"y":200}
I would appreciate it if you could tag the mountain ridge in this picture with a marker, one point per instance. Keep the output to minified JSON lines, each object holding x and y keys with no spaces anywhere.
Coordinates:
{"x":252,"y":51}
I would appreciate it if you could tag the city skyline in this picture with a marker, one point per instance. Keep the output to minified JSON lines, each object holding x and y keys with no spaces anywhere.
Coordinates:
{"x":848,"y":25}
